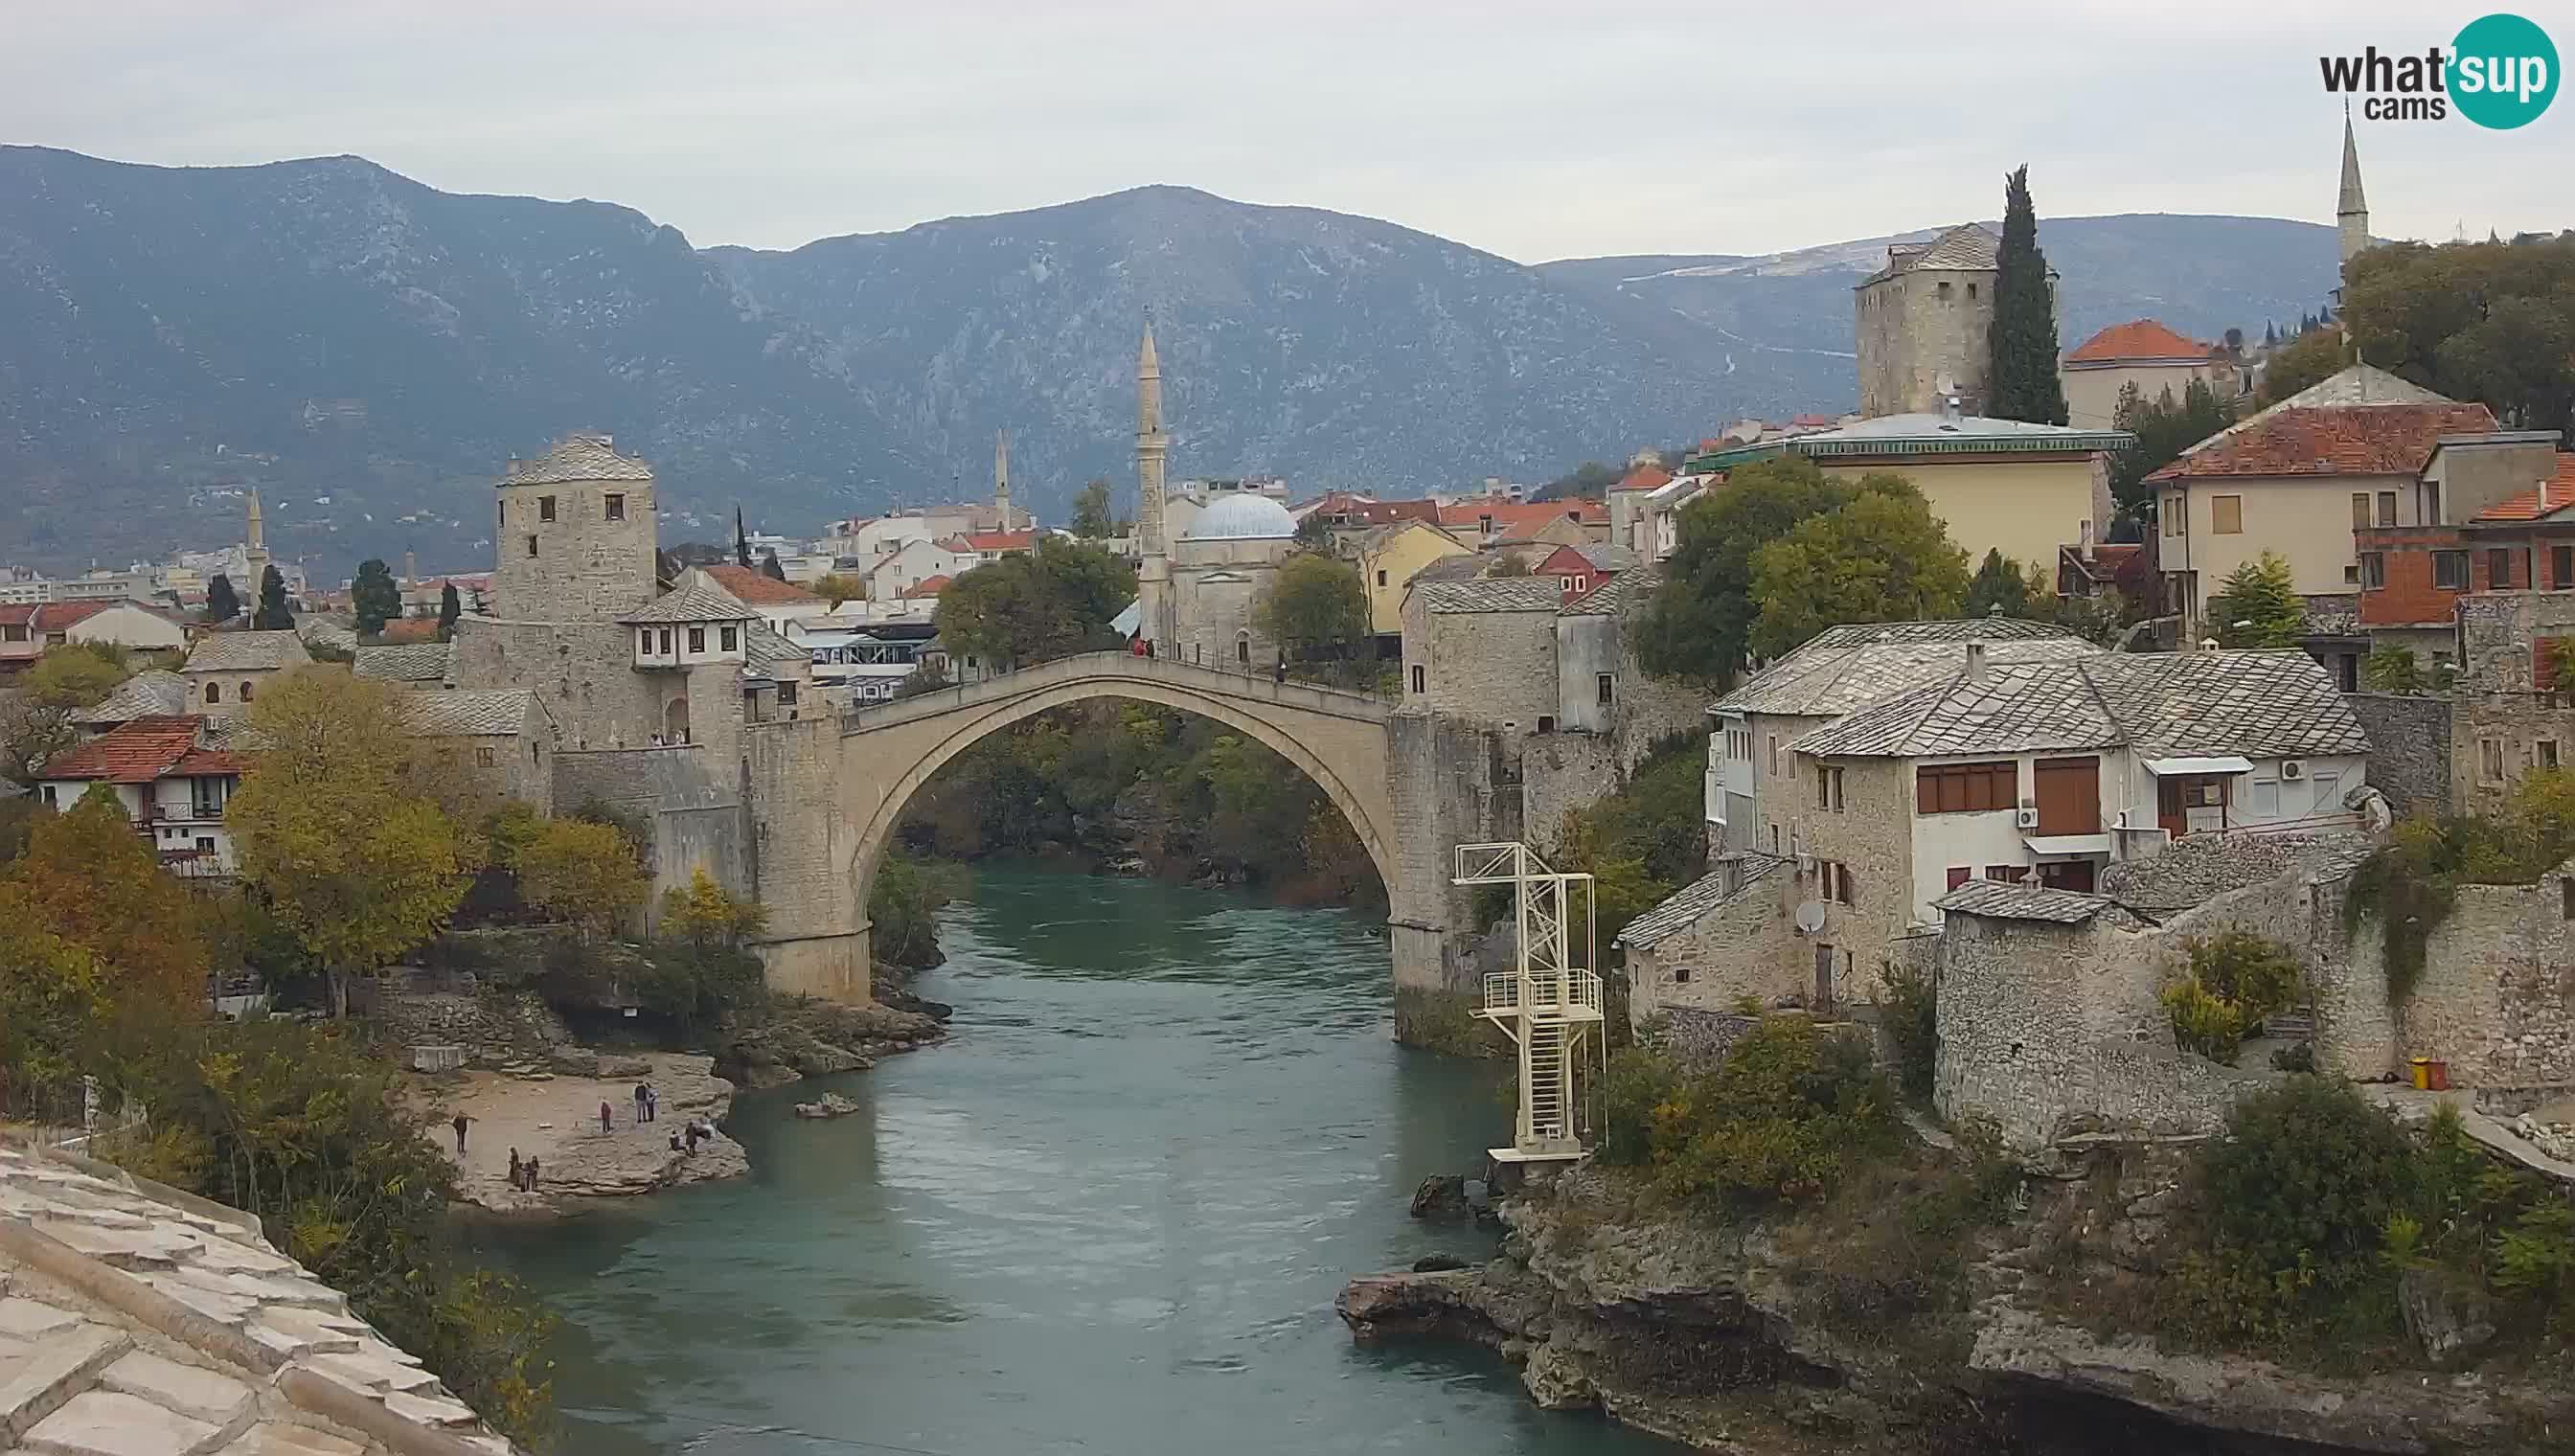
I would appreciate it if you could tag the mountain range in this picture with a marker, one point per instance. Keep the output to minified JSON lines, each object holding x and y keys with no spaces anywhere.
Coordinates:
{"x":369,"y":350}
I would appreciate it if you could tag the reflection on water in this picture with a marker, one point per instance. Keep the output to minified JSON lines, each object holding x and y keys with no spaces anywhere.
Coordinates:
{"x":1110,"y":1215}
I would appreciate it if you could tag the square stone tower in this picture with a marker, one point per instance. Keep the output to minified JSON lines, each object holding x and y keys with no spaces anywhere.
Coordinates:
{"x":575,"y":534}
{"x":1926,"y":317}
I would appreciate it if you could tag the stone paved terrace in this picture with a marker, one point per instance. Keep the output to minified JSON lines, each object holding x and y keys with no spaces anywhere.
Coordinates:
{"x":136,"y":1320}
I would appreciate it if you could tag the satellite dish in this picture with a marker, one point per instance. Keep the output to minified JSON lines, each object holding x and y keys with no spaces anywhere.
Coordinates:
{"x":1810,"y":917}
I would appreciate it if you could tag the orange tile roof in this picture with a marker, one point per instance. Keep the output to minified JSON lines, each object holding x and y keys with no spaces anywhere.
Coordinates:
{"x":751,"y":587}
{"x":988,"y":541}
{"x":1644,"y":477}
{"x":2545,"y":499}
{"x":134,"y":752}
{"x":1516,"y":520}
{"x":2352,"y":439}
{"x":2138,"y":339}
{"x":409,"y":630}
{"x":1814,"y":422}
{"x":928,"y":587}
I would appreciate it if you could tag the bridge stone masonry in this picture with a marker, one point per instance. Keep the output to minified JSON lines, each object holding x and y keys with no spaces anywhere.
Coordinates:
{"x":1375,"y":764}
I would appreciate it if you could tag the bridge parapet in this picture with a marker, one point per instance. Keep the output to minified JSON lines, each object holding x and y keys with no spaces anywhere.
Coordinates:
{"x":1107,"y":668}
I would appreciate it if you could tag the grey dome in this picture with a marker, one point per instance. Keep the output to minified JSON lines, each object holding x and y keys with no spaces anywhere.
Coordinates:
{"x":1243,"y":518}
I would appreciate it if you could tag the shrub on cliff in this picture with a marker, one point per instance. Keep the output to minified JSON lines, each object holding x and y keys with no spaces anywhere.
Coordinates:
{"x":2235,"y":979}
{"x":1787,"y":1112}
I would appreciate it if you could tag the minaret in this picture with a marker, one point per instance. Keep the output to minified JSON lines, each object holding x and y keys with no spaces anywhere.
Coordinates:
{"x":1002,"y":478}
{"x":1153,"y":572}
{"x":254,"y":552}
{"x":2351,"y":214}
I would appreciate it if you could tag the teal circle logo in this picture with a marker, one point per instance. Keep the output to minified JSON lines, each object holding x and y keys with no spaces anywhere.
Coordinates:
{"x":2503,"y":72}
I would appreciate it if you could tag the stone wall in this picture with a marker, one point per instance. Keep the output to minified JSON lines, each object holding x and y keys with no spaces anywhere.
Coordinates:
{"x":803,"y":861}
{"x":689,"y":804}
{"x":2496,"y":999}
{"x":1452,"y":784}
{"x":2409,"y":749}
{"x":583,"y":673}
{"x":1486,"y":668}
{"x":1744,"y":947}
{"x":1910,"y":335}
{"x":583,"y":565}
{"x":2498,"y":737}
{"x":491,"y":1026}
{"x":1562,"y":772}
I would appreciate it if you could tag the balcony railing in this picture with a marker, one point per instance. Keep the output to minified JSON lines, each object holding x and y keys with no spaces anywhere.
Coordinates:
{"x":1576,"y":998}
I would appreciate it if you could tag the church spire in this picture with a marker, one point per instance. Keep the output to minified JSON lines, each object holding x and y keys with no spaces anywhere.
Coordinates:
{"x":2351,"y":214}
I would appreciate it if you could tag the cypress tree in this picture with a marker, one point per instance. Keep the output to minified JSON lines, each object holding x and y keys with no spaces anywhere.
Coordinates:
{"x":770,"y":567}
{"x":449,"y":608}
{"x":2021,"y":364}
{"x":740,"y":540}
{"x":375,"y":596}
{"x":221,"y":604}
{"x":272,"y":614}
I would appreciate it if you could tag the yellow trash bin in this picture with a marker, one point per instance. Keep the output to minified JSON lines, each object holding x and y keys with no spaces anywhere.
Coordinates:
{"x":2422,"y":1073}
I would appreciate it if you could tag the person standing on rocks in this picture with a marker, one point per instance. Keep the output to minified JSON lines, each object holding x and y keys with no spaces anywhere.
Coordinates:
{"x":531,"y":1171}
{"x":517,"y":1171}
{"x":643,"y":1102}
{"x":459,"y":1124}
{"x":607,"y":1122}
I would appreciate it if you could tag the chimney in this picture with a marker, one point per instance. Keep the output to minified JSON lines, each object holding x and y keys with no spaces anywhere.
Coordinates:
{"x":1975,"y":662}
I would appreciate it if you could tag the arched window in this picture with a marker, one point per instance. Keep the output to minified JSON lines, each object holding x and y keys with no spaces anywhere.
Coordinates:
{"x":1242,"y":649}
{"x":213,"y":693}
{"x":245,"y":693}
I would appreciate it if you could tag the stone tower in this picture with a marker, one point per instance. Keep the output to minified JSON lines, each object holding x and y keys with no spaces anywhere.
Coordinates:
{"x":254,"y":556}
{"x":574,"y":533}
{"x":1924,"y":325}
{"x":2351,"y":214}
{"x":1153,"y":572}
{"x":1002,"y":478}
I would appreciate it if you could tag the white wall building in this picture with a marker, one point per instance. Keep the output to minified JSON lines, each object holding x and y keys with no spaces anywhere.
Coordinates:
{"x":170,"y":783}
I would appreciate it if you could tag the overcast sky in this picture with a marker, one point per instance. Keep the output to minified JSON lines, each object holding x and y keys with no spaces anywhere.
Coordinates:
{"x":1535,"y":130}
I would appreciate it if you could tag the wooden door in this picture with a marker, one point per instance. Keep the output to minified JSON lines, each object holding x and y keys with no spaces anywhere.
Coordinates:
{"x":1824,"y":979}
{"x":2069,"y":795}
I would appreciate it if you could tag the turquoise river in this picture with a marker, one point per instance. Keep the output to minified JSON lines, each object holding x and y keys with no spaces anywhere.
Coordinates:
{"x":1108,"y":1216}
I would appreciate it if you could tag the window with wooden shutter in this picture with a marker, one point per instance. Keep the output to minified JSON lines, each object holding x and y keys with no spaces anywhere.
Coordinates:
{"x":2226,"y":515}
{"x":2360,"y":510}
{"x":2500,"y":570}
{"x":1966,"y":788}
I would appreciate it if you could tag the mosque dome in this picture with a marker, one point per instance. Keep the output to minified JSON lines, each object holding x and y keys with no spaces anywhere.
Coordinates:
{"x":1243,"y":518}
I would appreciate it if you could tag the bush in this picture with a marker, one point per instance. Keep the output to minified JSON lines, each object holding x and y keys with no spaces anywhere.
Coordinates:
{"x":1783,"y":1117}
{"x":904,"y":903}
{"x":2413,"y":882}
{"x":2236,"y":980}
{"x":1910,"y":1012}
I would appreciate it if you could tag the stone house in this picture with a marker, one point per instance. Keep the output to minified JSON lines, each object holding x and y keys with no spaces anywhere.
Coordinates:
{"x":1721,"y":937}
{"x":1483,"y":651}
{"x":2143,"y":353}
{"x":225,"y":670}
{"x":1838,"y":670}
{"x":172,"y":783}
{"x":500,"y":739}
{"x":2508,"y":712}
{"x":1390,"y":556}
{"x":2496,"y":513}
{"x":152,"y":693}
{"x":2348,"y":449}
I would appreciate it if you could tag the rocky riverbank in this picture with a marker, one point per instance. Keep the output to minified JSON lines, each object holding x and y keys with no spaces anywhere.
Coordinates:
{"x":551,"y":1112}
{"x":1745,"y":1339}
{"x":803,"y":1037}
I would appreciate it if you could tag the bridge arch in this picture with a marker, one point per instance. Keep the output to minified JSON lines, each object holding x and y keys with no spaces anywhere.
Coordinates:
{"x":1336,"y":738}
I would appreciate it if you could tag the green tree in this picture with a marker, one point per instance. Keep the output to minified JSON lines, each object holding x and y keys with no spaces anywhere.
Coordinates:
{"x":1315,"y":607}
{"x":2258,"y":607}
{"x":2022,"y":343}
{"x":1090,"y":518}
{"x":221,"y":603}
{"x":272,"y":614}
{"x":740,"y":540}
{"x":2305,"y":360}
{"x":2165,"y":429}
{"x":1698,"y":623}
{"x":1999,"y":587}
{"x":2491,"y":322}
{"x":835,"y":587}
{"x":1881,"y":558}
{"x":355,"y":860}
{"x":450,"y":608}
{"x":1022,"y":610}
{"x":902,"y":912}
{"x":1315,"y":534}
{"x":2393,"y":669}
{"x":706,"y":916}
{"x":76,"y":673}
{"x":579,"y":873}
{"x":375,"y":595}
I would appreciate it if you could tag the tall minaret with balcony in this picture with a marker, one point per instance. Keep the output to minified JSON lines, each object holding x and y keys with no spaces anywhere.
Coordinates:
{"x":1153,"y":572}
{"x":253,"y":557}
{"x":2352,"y":212}
{"x":1002,"y":479}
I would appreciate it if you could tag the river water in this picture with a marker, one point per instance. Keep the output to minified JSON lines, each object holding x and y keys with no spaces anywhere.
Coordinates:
{"x":1108,"y":1216}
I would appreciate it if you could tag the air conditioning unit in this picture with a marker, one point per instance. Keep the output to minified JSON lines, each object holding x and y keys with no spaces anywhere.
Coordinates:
{"x":2293,"y":768}
{"x":2028,"y":818}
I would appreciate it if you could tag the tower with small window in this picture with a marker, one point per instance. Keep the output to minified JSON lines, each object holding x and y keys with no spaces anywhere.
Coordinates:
{"x":574,"y":533}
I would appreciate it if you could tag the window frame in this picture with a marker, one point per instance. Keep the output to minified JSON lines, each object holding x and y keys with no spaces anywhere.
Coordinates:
{"x":1606,"y":688}
{"x":1986,"y":785}
{"x":1419,"y":678}
{"x":544,"y":509}
{"x":697,"y":638}
{"x":727,"y":638}
{"x":2373,"y":570}
{"x":2220,"y":507}
{"x":2499,"y":569}
{"x":2455,"y":579}
{"x":614,"y":505}
{"x":2386,"y":508}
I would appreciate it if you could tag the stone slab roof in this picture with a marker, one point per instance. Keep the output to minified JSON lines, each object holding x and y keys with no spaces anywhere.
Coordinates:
{"x":240,"y":651}
{"x":1967,"y":246}
{"x":765,"y":649}
{"x":1696,"y":900}
{"x":152,"y":693}
{"x":1843,"y":668}
{"x":136,"y":1319}
{"x":467,"y":714}
{"x":2021,"y":902}
{"x":423,"y":662}
{"x":1494,"y":594}
{"x":690,"y":603}
{"x":580,"y":456}
{"x":2257,"y":705}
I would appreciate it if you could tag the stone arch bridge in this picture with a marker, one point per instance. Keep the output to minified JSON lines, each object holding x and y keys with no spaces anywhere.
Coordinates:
{"x":1374,"y":763}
